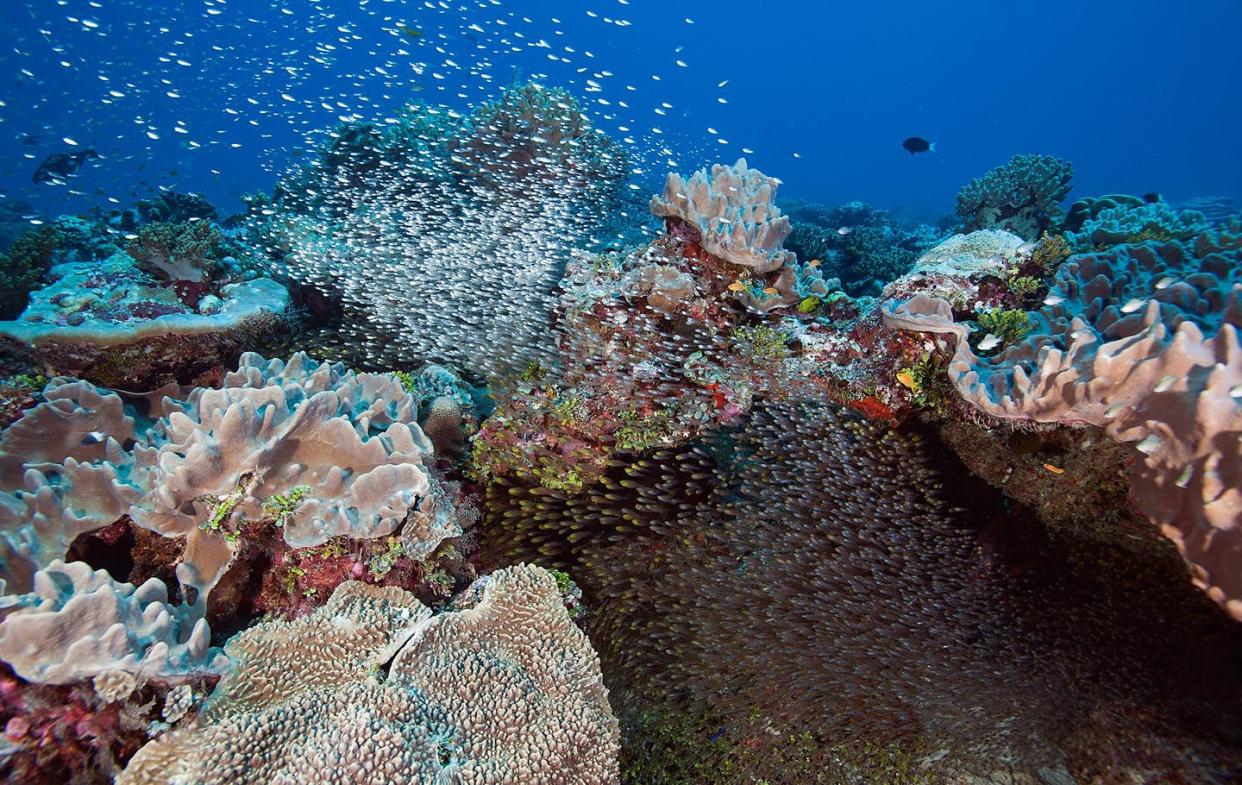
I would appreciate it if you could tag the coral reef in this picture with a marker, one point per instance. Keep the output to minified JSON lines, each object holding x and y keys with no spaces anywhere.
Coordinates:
{"x":1022,"y":196}
{"x":1142,"y":341}
{"x":320,"y":451}
{"x":862,"y":246}
{"x":1135,"y":224}
{"x":898,"y":597}
{"x":373,"y":688}
{"x":172,"y":305}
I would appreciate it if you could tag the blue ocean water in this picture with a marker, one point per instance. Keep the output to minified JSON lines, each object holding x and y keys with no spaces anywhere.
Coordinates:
{"x":219,"y":97}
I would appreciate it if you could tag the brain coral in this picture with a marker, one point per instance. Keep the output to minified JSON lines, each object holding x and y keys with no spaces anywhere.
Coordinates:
{"x":1143,"y":341}
{"x":372,"y":688}
{"x":1023,"y":196}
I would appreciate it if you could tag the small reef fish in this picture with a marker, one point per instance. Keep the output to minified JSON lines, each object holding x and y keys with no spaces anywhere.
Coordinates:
{"x":917,"y":144}
{"x":737,"y":286}
{"x":815,"y":263}
{"x":94,"y":437}
{"x":1054,"y":469}
{"x":56,"y":167}
{"x":989,"y":342}
{"x":844,"y":230}
{"x":907,"y":379}
{"x":412,"y":33}
{"x":771,"y":290}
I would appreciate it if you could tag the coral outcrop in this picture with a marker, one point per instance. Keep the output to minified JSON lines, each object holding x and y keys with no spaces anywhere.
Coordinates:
{"x":113,"y":322}
{"x":319,"y":450}
{"x":1135,"y":224}
{"x":734,"y":211}
{"x":1141,"y":340}
{"x":1023,"y":196}
{"x":374,"y":689}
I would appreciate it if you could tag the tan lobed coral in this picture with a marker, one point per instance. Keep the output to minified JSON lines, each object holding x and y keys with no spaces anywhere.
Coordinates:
{"x":372,"y":688}
{"x":321,"y":450}
{"x":1142,"y":341}
{"x":734,"y":211}
{"x":80,"y":624}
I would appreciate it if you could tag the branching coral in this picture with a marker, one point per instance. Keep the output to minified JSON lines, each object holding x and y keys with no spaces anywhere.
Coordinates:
{"x":373,"y":689}
{"x":178,"y":251}
{"x":1023,"y":196}
{"x":23,"y":266}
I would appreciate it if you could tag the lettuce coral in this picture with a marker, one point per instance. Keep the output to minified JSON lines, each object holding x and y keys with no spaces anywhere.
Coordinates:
{"x":347,"y":445}
{"x":80,"y":624}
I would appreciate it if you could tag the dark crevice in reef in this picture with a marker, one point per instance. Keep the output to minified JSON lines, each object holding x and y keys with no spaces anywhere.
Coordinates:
{"x":110,"y":548}
{"x":867,"y":588}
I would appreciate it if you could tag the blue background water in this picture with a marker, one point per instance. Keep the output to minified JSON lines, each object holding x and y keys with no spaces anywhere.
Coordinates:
{"x":1141,"y":95}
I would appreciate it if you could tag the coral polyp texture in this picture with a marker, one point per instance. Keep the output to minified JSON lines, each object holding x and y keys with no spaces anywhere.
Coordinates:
{"x":1141,"y":340}
{"x":373,"y":688}
{"x":1023,"y":196}
{"x":320,"y":450}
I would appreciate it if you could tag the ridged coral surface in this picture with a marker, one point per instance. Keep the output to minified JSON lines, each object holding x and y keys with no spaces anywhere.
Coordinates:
{"x":374,"y":689}
{"x":734,"y":210}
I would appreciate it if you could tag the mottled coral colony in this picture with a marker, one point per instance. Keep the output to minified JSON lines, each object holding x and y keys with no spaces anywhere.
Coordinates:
{"x":440,"y":465}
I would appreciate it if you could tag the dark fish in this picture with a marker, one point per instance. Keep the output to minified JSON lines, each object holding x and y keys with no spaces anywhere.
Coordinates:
{"x":31,"y":140}
{"x":412,"y":33}
{"x":917,"y":144}
{"x":1152,"y":198}
{"x":55,"y":168}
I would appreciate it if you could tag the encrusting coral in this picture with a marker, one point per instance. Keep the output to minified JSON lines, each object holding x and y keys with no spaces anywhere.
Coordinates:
{"x":372,"y":688}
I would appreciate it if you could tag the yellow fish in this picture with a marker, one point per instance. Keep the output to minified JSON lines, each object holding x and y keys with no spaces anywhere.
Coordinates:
{"x":1054,"y":469}
{"x":905,"y":378}
{"x":771,"y":290}
{"x":815,"y":263}
{"x":737,"y":286}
